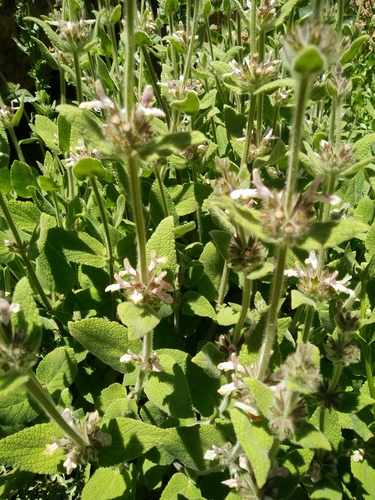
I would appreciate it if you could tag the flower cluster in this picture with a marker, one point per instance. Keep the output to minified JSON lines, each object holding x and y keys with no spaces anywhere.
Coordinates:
{"x":152,"y":292}
{"x":263,"y":146}
{"x":76,"y":454}
{"x":80,"y":152}
{"x":122,"y":133}
{"x":245,"y":255}
{"x":76,"y":34}
{"x":151,"y":364}
{"x":332,"y":161}
{"x":318,"y":285}
{"x":177,"y":90}
{"x":7,"y":114}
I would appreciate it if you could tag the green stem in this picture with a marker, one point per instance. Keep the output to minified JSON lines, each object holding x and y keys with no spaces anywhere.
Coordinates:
{"x":366,"y":351}
{"x":146,"y":355}
{"x":16,"y":145}
{"x":161,"y":189}
{"x":130,"y":49}
{"x":46,"y":402}
{"x":317,"y":9}
{"x":23,"y":254}
{"x":246,"y":296}
{"x":297,"y":126}
{"x":359,"y":11}
{"x":271,"y":325}
{"x":249,"y":129}
{"x":199,"y":209}
{"x":191,"y":48}
{"x":253,"y":27}
{"x":340,"y":15}
{"x":62,"y":86}
{"x":77,"y":70}
{"x":69,"y":173}
{"x":107,"y":238}
{"x":55,"y":204}
{"x":335,"y":378}
{"x":308,"y":322}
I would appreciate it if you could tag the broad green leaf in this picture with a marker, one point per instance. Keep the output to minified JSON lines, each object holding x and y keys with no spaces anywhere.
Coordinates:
{"x":189,"y":444}
{"x":195,"y":304}
{"x":169,"y":389}
{"x":180,"y":486}
{"x":332,"y":233}
{"x":235,"y":125}
{"x":256,"y":440}
{"x":89,"y":167}
{"x":363,"y":148}
{"x":208,"y":99}
{"x":108,"y":484}
{"x":365,"y":210}
{"x":364,"y":475}
{"x":349,"y":54}
{"x":227,"y":316}
{"x":308,"y":436}
{"x":297,"y":462}
{"x":48,"y":184}
{"x":108,"y":396}
{"x":189,"y":104}
{"x":142,"y":38}
{"x":25,"y":214}
{"x":139,"y":319}
{"x":221,"y":240}
{"x":26,"y":450}
{"x":163,"y":243}
{"x":188,"y":197}
{"x":309,"y":61}
{"x":193,"y":273}
{"x":299,"y":298}
{"x":64,"y":130}
{"x":5,"y":179}
{"x":263,"y":395}
{"x":27,"y":318}
{"x":122,"y":407}
{"x":17,"y":407}
{"x":22,"y":177}
{"x":213,"y":263}
{"x":104,"y":74}
{"x":353,"y":402}
{"x":130,"y":439}
{"x":10,"y":381}
{"x":57,"y":370}
{"x":13,"y":481}
{"x":4,"y":148}
{"x":184,"y":228}
{"x":165,"y":145}
{"x":54,"y":37}
{"x":107,"y":340}
{"x":48,"y":131}
{"x":208,"y":358}
{"x":270,"y":87}
{"x":327,"y":487}
{"x":161,"y":204}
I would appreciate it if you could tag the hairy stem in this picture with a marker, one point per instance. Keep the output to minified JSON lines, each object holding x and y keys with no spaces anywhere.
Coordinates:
{"x":246,"y":296}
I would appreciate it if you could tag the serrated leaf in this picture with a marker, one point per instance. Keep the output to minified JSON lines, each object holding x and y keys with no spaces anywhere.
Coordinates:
{"x":130,"y":439}
{"x":299,"y":298}
{"x":256,"y":440}
{"x":107,"y":340}
{"x":89,"y":167}
{"x":57,"y":370}
{"x":193,"y":303}
{"x":108,"y":484}
{"x":140,"y":319}
{"x":208,"y":358}
{"x":163,"y":243}
{"x":308,"y":436}
{"x":165,"y":145}
{"x":329,"y":234}
{"x":180,"y":486}
{"x":25,"y":450}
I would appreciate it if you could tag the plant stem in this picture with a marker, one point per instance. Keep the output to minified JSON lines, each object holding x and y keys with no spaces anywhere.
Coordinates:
{"x":249,"y":130}
{"x":16,"y":145}
{"x":107,"y":238}
{"x":308,"y":322}
{"x":189,"y":56}
{"x":253,"y":28}
{"x":46,"y":402}
{"x":77,"y":70}
{"x":340,"y":15}
{"x":302,"y":93}
{"x":22,"y":253}
{"x":146,"y":355}
{"x":130,"y":15}
{"x":62,"y":86}
{"x":246,"y":296}
{"x":271,"y":325}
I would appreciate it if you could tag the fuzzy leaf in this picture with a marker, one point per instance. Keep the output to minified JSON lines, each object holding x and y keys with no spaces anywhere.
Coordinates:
{"x":89,"y":167}
{"x":297,"y":462}
{"x":329,"y":234}
{"x":130,"y":439}
{"x":163,"y":242}
{"x":158,"y":195}
{"x":208,"y":358}
{"x":213,"y":263}
{"x":27,"y":318}
{"x":10,"y":381}
{"x":327,"y":487}
{"x":195,"y":304}
{"x":165,"y":145}
{"x":363,"y":148}
{"x":105,"y":339}
{"x":108,"y":484}
{"x":299,"y":298}
{"x":180,"y":486}
{"x":189,"y":197}
{"x":108,"y":396}
{"x":235,"y":123}
{"x":270,"y":87}
{"x":364,"y":474}
{"x":139,"y":319}
{"x":189,"y":104}
{"x":221,"y":240}
{"x":256,"y":440}
{"x":349,"y":54}
{"x":22,"y":177}
{"x":57,"y":370}
{"x":25,"y":214}
{"x":4,"y":148}
{"x":17,"y":407}
{"x":227,"y":316}
{"x":309,"y":436}
{"x":48,"y":131}
{"x":5,"y":179}
{"x":25,"y":450}
{"x":353,"y":402}
{"x":169,"y":389}
{"x":263,"y":395}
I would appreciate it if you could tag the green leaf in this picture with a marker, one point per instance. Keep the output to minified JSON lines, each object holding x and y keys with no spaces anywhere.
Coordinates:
{"x":308,"y":436}
{"x":297,"y":462}
{"x":213,"y":263}
{"x":256,"y":440}
{"x":5,"y":179}
{"x":353,"y":402}
{"x":158,"y":196}
{"x":130,"y":439}
{"x":299,"y":298}
{"x":263,"y":395}
{"x":227,"y":316}
{"x":10,"y":381}
{"x":48,"y":131}
{"x":327,"y":487}
{"x":349,"y":54}
{"x":17,"y":407}
{"x":189,"y":444}
{"x":12,"y":482}
{"x":89,"y":167}
{"x":364,"y":475}
{"x":142,"y":38}
{"x":48,"y":184}
{"x":189,"y":104}
{"x":208,"y":358}
{"x":25,"y":214}
{"x":108,"y":484}
{"x":180,"y":486}
{"x":171,"y":6}
{"x":189,"y":197}
{"x":163,"y":243}
{"x":22,"y":177}
{"x":27,"y":318}
{"x":309,"y":61}
{"x":54,"y":37}
{"x":169,"y":389}
{"x":139,"y":319}
{"x":235,"y":124}
{"x":57,"y":370}
{"x":329,"y":234}
{"x":4,"y":148}
{"x":108,"y":396}
{"x":270,"y":87}
{"x":46,"y":53}
{"x":221,"y":240}
{"x":195,"y":304}
{"x":107,"y":340}
{"x":165,"y":145}
{"x":25,"y":450}
{"x":363,"y":148}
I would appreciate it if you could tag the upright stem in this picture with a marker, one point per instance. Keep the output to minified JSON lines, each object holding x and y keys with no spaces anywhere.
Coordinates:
{"x":77,"y":70}
{"x":46,"y":402}
{"x":273,"y":311}
{"x":249,"y":129}
{"x":308,"y":322}
{"x":340,"y":15}
{"x":146,"y":355}
{"x":253,"y":27}
{"x":246,"y":296}
{"x":129,"y":58}
{"x":190,"y":53}
{"x":16,"y":145}
{"x":107,"y":237}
